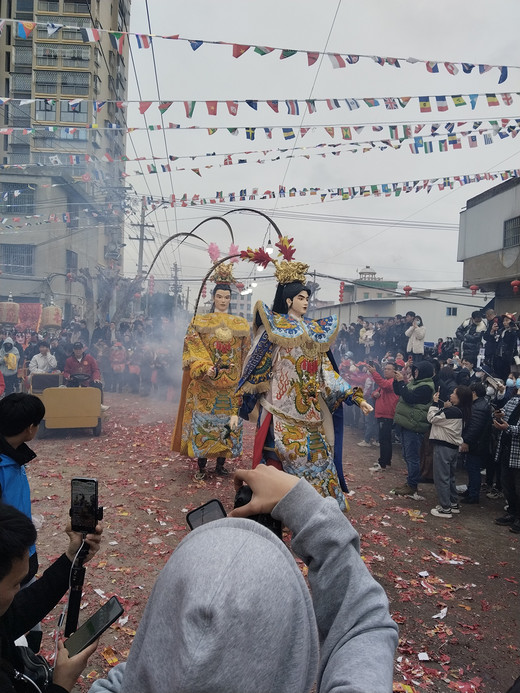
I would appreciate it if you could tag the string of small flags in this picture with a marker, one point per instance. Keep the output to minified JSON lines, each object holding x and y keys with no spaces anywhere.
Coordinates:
{"x":296,"y":107}
{"x":338,"y":60}
{"x":344,"y":193}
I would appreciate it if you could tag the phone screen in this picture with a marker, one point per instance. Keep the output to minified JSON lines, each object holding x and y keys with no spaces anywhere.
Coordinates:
{"x":83,"y":504}
{"x":94,"y":627}
{"x":212,"y":510}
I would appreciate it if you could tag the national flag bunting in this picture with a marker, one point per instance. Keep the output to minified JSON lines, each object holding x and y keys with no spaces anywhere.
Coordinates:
{"x":337,"y":60}
{"x":232,"y":107}
{"x":143,"y":40}
{"x":263,"y":50}
{"x":346,"y":133}
{"x":287,"y":53}
{"x":25,"y":29}
{"x":312,"y":57}
{"x":288,"y":133}
{"x":164,"y":106}
{"x":250,"y":133}
{"x":424,"y":104}
{"x":117,"y":39}
{"x":89,"y":35}
{"x":330,"y":131}
{"x":432,"y":66}
{"x":53,"y":28}
{"x":292,"y":107}
{"x":273,"y":105}
{"x":311,"y":105}
{"x":458,"y":100}
{"x":212,"y":107}
{"x":492,"y":99}
{"x":332,"y":104}
{"x":189,"y":107}
{"x":144,"y":106}
{"x":239,"y":50}
{"x":442,"y":104}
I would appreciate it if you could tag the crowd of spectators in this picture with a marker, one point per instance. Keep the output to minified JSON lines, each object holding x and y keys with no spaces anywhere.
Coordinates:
{"x":456,"y":404}
{"x":135,"y":356}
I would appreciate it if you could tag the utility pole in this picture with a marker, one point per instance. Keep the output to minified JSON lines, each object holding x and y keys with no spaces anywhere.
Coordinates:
{"x":142,"y":238}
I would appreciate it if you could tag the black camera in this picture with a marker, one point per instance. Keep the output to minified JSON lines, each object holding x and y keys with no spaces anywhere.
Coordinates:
{"x":242,"y":497}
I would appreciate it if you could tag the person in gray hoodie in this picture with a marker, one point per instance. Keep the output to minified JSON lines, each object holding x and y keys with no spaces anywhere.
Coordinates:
{"x":10,"y":374}
{"x":231,"y":612}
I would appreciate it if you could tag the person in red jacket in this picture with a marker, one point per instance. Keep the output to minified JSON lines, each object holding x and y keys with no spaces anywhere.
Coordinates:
{"x":386,"y":401}
{"x":85,"y":364}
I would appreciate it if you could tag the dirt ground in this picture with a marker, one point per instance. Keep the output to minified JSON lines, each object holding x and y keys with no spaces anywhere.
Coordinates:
{"x":452,"y":584}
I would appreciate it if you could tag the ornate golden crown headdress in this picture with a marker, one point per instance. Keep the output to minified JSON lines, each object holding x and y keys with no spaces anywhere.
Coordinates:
{"x":223,"y":273}
{"x":286,"y":270}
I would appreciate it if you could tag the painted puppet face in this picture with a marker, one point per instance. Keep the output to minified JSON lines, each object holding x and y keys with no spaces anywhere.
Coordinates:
{"x":221,"y":300}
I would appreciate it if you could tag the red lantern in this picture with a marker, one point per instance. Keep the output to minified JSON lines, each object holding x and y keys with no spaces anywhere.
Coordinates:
{"x":240,"y":286}
{"x":407,"y":290}
{"x":474,"y":288}
{"x":341,"y":290}
{"x":516,"y":285}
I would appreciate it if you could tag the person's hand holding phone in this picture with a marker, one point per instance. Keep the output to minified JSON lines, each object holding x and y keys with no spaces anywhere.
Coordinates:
{"x":269,"y":486}
{"x":398,"y":376}
{"x":68,"y":669}
{"x":76,"y":539}
{"x":436,"y":397}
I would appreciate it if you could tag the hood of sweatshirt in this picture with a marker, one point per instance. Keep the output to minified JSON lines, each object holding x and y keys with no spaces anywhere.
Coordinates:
{"x":424,"y":370}
{"x":229,"y":613}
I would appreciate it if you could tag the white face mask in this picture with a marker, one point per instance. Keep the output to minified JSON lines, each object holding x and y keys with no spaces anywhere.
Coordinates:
{"x":489,"y":391}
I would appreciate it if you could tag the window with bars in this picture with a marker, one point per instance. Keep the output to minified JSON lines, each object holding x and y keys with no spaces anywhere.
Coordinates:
{"x":16,"y":199}
{"x":46,"y":82}
{"x":49,"y":5}
{"x":76,"y":7}
{"x":45,"y":110}
{"x":75,"y":56}
{"x":17,"y":258}
{"x":74,"y":114}
{"x":451,"y":311}
{"x":512,"y":232}
{"x":21,"y":82}
{"x":23,"y":55}
{"x":75,"y":83}
{"x":47,"y":54}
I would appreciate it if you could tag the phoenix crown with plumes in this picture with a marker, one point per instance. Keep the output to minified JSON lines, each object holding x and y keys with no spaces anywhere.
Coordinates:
{"x":286,"y":270}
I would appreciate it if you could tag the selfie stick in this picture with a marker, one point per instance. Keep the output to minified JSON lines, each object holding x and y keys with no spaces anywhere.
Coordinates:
{"x":77,"y":578}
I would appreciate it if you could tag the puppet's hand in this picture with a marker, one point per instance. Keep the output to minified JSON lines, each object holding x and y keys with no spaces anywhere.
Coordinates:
{"x":365,"y":407}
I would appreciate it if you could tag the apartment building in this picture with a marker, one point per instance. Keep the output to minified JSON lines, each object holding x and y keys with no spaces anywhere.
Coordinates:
{"x":61,"y":192}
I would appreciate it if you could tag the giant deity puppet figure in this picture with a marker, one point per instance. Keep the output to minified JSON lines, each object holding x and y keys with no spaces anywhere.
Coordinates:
{"x":215,"y":348}
{"x":290,"y":382}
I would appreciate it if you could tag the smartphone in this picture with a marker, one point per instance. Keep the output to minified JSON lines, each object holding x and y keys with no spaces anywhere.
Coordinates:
{"x":94,"y":626}
{"x":212,"y":510}
{"x":371,"y":364}
{"x":84,"y":505}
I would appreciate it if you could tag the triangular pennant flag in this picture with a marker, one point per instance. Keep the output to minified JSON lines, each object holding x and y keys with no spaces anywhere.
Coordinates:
{"x":197,"y":171}
{"x":212,"y":107}
{"x":263,"y":50}
{"x":432,"y":66}
{"x":239,"y":50}
{"x":25,"y":29}
{"x":287,"y":53}
{"x":164,"y":106}
{"x":503,"y":74}
{"x":403,"y":100}
{"x":473,"y":100}
{"x":330,"y":131}
{"x":252,"y":104}
{"x":311,"y":58}
{"x":117,"y":39}
{"x":144,"y":106}
{"x":189,"y":107}
{"x":337,"y":60}
{"x":273,"y":105}
{"x":53,"y":28}
{"x":451,"y":68}
{"x":195,"y":45}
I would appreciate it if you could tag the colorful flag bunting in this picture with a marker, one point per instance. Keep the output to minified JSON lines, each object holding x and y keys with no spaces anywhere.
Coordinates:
{"x":472,"y":140}
{"x":352,"y":59}
{"x":292,"y":108}
{"x":390,"y":104}
{"x":432,"y":66}
{"x":273,"y":105}
{"x":263,"y":50}
{"x":189,"y":107}
{"x":53,"y":28}
{"x":442,"y":104}
{"x":503,"y":74}
{"x":143,"y":40}
{"x":239,"y":50}
{"x":117,"y":39}
{"x":424,"y":104}
{"x":232,"y":107}
{"x":467,"y":67}
{"x":404,"y":100}
{"x":458,"y":100}
{"x":144,"y":106}
{"x":25,"y":29}
{"x":98,"y":105}
{"x":197,"y":171}
{"x":252,"y":104}
{"x":311,"y":58}
{"x":332,"y":104}
{"x":195,"y":45}
{"x":311,"y":105}
{"x":346,"y":133}
{"x":352,"y":104}
{"x":250,"y":133}
{"x":330,"y":131}
{"x":336,"y":60}
{"x":451,"y":68}
{"x":506,"y":99}
{"x":212,"y":107}
{"x":371,"y":102}
{"x":89,"y":35}
{"x":492,"y":100}
{"x":287,"y":53}
{"x":164,"y":106}
{"x":288,"y":133}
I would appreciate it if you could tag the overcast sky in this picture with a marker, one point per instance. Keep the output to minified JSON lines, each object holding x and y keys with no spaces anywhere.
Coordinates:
{"x":479,"y":33}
